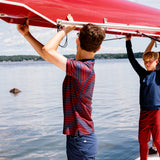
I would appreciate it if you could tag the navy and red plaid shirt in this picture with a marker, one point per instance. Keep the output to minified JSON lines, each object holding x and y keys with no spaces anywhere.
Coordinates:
{"x":78,"y":88}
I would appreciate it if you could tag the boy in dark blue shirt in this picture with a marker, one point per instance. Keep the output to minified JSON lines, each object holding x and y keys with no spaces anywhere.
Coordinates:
{"x":149,"y":98}
{"x":153,"y":149}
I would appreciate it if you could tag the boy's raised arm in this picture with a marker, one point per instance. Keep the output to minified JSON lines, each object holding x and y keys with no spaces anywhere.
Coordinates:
{"x":150,"y":46}
{"x":49,"y":51}
{"x":24,"y":30}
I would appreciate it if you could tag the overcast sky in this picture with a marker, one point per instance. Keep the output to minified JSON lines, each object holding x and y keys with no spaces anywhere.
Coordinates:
{"x":12,"y":43}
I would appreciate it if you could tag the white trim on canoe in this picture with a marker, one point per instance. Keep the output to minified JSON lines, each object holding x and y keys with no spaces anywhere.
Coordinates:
{"x":110,"y":25}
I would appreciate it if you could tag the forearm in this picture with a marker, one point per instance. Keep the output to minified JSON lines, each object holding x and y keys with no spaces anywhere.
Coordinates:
{"x":54,"y":42}
{"x":130,"y":51}
{"x":50,"y":50}
{"x":137,"y":67}
{"x":35,"y":44}
{"x":150,"y":46}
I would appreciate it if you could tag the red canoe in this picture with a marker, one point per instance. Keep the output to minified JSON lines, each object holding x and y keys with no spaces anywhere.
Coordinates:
{"x":116,"y":16}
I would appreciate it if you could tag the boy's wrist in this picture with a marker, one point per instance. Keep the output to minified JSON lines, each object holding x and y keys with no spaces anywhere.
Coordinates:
{"x":68,"y":29}
{"x":26,"y":34}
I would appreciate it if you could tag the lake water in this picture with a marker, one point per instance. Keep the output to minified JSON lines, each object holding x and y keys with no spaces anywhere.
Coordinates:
{"x":31,"y":122}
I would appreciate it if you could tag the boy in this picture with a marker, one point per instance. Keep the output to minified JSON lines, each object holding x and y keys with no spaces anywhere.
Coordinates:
{"x":153,"y":149}
{"x":78,"y":85}
{"x":149,"y":98}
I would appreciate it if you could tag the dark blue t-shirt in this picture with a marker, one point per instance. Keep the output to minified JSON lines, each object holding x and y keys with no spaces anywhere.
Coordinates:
{"x":149,"y":83}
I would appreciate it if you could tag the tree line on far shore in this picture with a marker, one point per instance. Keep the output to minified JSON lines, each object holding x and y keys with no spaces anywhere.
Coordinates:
{"x":17,"y":58}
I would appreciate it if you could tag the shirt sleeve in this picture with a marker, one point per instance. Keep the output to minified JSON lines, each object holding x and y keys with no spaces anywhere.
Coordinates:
{"x":77,"y":69}
{"x":137,"y":67}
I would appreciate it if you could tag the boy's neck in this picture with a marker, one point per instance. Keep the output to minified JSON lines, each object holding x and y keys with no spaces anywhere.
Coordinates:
{"x":82,"y":54}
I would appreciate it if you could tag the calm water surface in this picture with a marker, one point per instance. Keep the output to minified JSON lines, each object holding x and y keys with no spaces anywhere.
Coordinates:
{"x":31,"y":123}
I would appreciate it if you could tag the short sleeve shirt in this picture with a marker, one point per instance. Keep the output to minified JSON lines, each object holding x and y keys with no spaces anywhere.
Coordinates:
{"x":78,"y":88}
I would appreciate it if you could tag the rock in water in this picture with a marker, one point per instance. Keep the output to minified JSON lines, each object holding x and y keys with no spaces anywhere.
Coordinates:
{"x":15,"y":91}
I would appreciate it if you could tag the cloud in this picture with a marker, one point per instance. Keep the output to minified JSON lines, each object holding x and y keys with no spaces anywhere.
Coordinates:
{"x":150,"y":3}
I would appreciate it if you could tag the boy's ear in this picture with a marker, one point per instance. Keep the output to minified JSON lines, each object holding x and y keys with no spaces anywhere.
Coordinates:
{"x":77,"y":41}
{"x":157,"y":61}
{"x":99,"y":48}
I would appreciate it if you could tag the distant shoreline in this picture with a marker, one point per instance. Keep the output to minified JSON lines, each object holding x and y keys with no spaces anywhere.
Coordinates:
{"x":19,"y":58}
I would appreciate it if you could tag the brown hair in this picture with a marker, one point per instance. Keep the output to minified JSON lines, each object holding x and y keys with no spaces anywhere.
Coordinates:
{"x":91,"y":37}
{"x":150,"y":55}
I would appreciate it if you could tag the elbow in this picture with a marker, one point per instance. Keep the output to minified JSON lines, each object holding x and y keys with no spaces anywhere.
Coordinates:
{"x":44,"y":49}
{"x":45,"y":52}
{"x":48,"y":53}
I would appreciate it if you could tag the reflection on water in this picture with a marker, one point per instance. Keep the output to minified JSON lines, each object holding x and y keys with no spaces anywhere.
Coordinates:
{"x":31,"y":123}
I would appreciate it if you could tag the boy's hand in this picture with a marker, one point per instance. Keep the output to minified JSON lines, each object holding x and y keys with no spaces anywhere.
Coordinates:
{"x":23,"y":28}
{"x":69,"y":17}
{"x":69,"y":28}
{"x":128,"y":37}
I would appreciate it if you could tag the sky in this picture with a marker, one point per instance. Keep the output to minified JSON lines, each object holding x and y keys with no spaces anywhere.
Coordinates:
{"x":12,"y":43}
